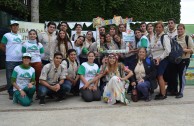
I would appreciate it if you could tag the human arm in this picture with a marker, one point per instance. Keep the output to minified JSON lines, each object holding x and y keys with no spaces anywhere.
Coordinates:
{"x":167,"y":49}
{"x":190,"y":48}
{"x":86,"y":83}
{"x":81,"y":73}
{"x":3,"y":43}
{"x":129,"y":73}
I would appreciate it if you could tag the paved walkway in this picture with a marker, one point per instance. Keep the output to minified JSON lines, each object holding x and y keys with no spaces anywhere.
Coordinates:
{"x":73,"y":111}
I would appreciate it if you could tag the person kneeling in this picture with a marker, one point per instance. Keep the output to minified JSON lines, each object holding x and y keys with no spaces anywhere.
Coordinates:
{"x":23,"y":78}
{"x":88,"y":86}
{"x":52,"y":79}
{"x":144,"y":75}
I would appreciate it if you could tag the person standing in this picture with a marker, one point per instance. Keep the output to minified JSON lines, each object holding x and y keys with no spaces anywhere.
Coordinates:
{"x":35,"y":48}
{"x":48,"y":40}
{"x":63,"y":43}
{"x":63,"y":26}
{"x":23,"y":80}
{"x":179,"y":70}
{"x":78,"y":29}
{"x":172,"y":88}
{"x":160,"y":52}
{"x":143,"y":28}
{"x":172,"y":31}
{"x":11,"y":43}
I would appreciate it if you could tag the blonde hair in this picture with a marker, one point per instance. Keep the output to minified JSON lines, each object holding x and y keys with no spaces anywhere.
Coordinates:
{"x":112,"y":68}
{"x":159,"y":23}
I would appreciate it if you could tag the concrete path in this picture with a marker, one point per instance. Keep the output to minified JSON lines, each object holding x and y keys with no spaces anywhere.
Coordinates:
{"x":73,"y":111}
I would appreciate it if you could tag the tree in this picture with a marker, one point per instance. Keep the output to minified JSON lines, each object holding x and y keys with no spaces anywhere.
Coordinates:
{"x":35,"y":10}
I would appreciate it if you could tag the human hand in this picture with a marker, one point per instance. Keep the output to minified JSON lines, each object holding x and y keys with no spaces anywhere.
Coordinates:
{"x":157,"y":61}
{"x":122,"y":79}
{"x":30,"y":85}
{"x":133,"y":84}
{"x":53,"y":88}
{"x":22,"y":93}
{"x":74,"y":82}
{"x":90,"y":87}
{"x":94,"y":88}
{"x":57,"y":87}
{"x":86,"y":85}
{"x":141,"y":80}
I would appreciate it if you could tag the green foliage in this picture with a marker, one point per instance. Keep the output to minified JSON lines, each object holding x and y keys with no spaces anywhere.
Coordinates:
{"x":86,"y":10}
{"x":16,"y":8}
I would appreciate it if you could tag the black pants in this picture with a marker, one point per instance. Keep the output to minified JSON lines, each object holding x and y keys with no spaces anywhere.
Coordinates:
{"x":175,"y":72}
{"x":89,"y":95}
{"x":171,"y":77}
{"x":130,"y":62}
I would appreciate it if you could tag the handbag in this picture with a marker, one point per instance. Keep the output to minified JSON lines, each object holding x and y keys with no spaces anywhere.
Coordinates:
{"x":134,"y":95}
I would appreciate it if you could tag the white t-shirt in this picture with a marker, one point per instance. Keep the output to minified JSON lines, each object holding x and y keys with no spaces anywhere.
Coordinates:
{"x":89,"y":71}
{"x":23,"y":76}
{"x":34,"y":49}
{"x":13,"y":46}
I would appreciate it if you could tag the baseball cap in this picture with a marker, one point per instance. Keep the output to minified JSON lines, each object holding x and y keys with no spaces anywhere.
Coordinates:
{"x":26,"y":55}
{"x":12,"y":22}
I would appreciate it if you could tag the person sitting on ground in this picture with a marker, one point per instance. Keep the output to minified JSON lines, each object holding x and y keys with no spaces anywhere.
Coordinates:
{"x":23,"y":80}
{"x":52,"y":79}
{"x":114,"y":90}
{"x":88,"y":87}
{"x":72,"y":79}
{"x":144,"y":75}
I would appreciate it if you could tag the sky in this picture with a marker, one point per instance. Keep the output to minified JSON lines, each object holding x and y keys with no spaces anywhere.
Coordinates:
{"x":187,"y":11}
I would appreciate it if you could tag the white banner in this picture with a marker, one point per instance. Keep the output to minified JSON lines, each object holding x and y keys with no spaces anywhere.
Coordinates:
{"x":88,"y":24}
{"x":71,"y":24}
{"x":25,"y":27}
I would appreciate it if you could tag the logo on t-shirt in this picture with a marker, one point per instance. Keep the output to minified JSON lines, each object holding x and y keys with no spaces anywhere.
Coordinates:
{"x":33,"y":47}
{"x":26,"y":75}
{"x":92,"y":72}
{"x":18,"y":40}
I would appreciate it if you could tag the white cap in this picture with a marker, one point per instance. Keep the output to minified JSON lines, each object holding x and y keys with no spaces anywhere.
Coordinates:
{"x":26,"y":55}
{"x":14,"y":22}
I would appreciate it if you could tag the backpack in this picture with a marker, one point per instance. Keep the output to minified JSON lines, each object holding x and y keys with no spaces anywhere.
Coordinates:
{"x":68,"y":63}
{"x":175,"y":56}
{"x":187,"y":42}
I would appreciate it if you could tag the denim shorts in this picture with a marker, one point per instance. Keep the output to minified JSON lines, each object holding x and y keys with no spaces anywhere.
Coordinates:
{"x":162,"y":67}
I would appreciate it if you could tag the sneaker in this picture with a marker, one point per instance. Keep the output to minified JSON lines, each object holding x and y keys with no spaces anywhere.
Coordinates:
{"x":148,"y":99}
{"x":160,"y":97}
{"x":42,"y":102}
{"x":180,"y":95}
{"x":37,"y":97}
{"x":59,"y":99}
{"x":10,"y":97}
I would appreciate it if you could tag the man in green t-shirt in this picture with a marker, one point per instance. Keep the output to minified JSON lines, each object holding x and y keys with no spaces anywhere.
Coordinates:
{"x":23,"y":80}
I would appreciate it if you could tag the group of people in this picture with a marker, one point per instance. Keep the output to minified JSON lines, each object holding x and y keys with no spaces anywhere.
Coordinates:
{"x":50,"y":65}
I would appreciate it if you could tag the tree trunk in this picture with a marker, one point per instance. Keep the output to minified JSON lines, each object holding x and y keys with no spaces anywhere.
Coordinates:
{"x":35,"y":10}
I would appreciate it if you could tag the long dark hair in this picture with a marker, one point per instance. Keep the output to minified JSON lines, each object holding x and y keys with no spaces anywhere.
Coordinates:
{"x":93,"y":39}
{"x":79,"y":37}
{"x":136,"y":39}
{"x":118,"y":44}
{"x":65,"y":40}
{"x":37,"y":40}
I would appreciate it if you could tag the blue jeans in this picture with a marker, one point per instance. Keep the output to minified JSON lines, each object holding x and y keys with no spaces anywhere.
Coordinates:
{"x":43,"y":91}
{"x":67,"y":85}
{"x":9,"y":65}
{"x":144,"y":87}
